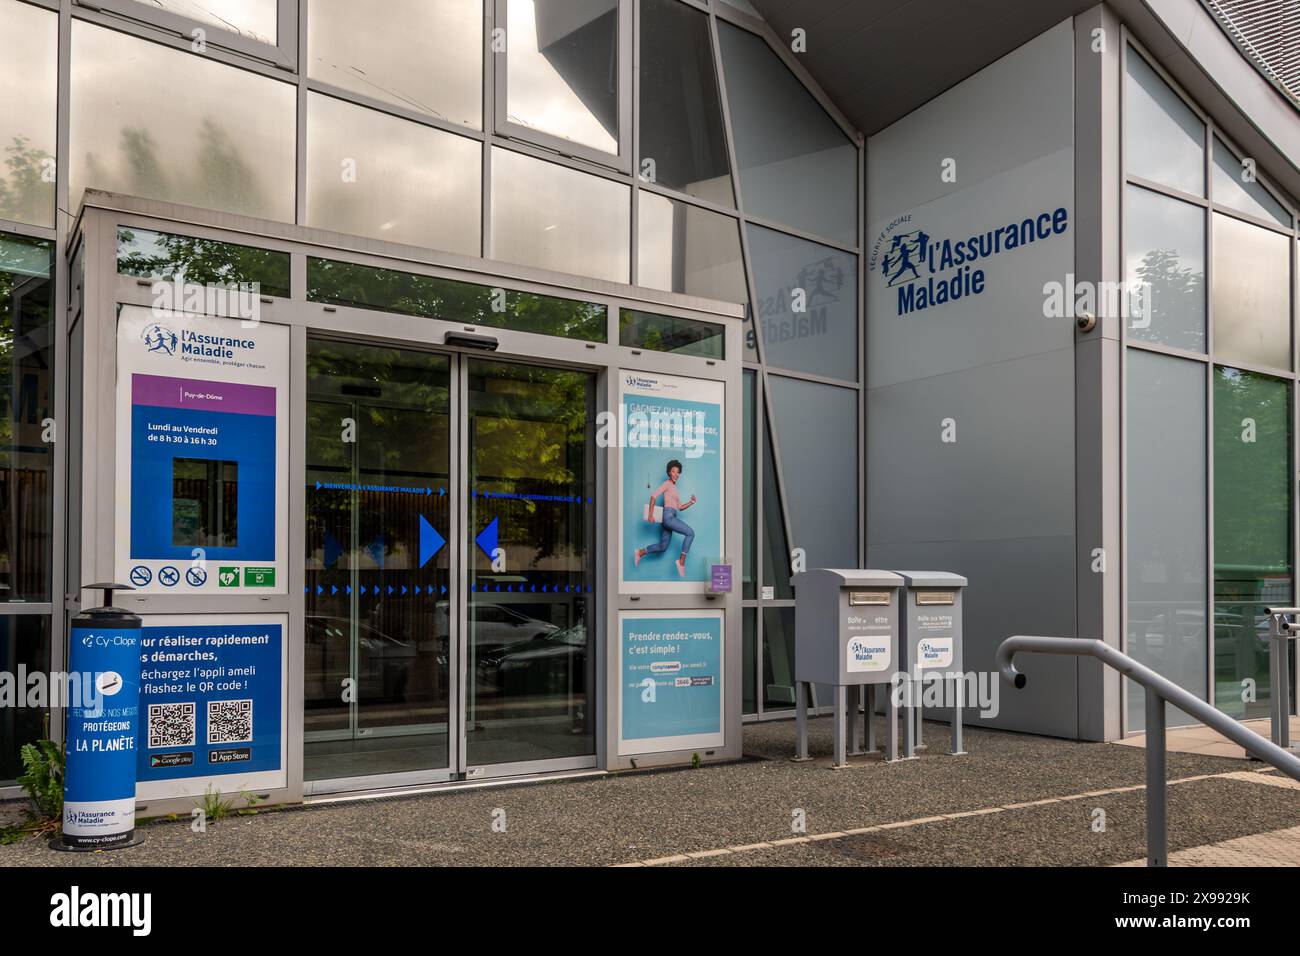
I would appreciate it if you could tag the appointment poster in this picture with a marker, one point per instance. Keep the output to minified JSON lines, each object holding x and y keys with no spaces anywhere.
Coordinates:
{"x":202,"y":454}
{"x":670,"y":680}
{"x":671,"y":500}
{"x":212,"y":704}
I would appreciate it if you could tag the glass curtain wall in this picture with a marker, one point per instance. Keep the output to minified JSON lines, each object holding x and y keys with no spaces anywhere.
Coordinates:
{"x":407,"y":137}
{"x":1210,"y":381}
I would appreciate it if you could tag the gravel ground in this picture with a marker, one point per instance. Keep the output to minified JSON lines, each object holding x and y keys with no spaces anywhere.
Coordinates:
{"x":644,"y":815}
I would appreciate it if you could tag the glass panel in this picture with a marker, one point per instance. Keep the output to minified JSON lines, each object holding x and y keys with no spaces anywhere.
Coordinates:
{"x":749,"y":662}
{"x":179,"y":127}
{"x":376,"y":569}
{"x":532,"y":485}
{"x":1252,"y":531}
{"x":776,"y":552}
{"x":25,"y":643}
{"x":562,"y":69}
{"x":1166,"y":524}
{"x":817,"y":429}
{"x":778,"y":658}
{"x":370,"y":174}
{"x":1231,"y":189}
{"x":796,"y":165}
{"x":1252,"y":293}
{"x":160,"y":255}
{"x":684,"y":248}
{"x":822,"y":338}
{"x":682,"y":131}
{"x":28,"y":90}
{"x":387,"y":290}
{"x":557,"y":218}
{"x":366,"y":46}
{"x":1164,"y":243}
{"x":670,"y":333}
{"x":749,"y":560}
{"x":1164,"y":140}
{"x":26,"y":469}
{"x":254,"y":19}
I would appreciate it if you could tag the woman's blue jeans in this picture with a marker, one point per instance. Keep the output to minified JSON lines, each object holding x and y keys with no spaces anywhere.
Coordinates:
{"x":670,"y":524}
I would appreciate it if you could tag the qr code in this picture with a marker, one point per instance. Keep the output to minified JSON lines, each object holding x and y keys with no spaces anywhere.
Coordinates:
{"x":171,"y":725}
{"x":230,"y":721}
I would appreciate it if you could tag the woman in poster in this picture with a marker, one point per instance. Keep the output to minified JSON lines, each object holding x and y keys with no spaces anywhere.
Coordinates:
{"x":670,"y":522}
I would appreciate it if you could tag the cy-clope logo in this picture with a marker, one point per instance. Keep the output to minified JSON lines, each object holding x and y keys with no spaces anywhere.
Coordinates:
{"x":928,"y":271}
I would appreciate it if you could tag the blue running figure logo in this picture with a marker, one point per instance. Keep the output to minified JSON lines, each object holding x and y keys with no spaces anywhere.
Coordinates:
{"x":160,"y":339}
{"x":905,"y":253}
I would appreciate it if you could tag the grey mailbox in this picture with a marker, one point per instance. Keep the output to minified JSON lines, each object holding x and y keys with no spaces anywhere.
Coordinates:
{"x":847,"y":636}
{"x":930,"y":640}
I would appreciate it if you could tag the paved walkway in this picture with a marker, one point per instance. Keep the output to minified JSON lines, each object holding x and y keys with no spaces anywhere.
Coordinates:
{"x":1276,"y":848}
{"x":1013,"y":800}
{"x":1203,"y":740}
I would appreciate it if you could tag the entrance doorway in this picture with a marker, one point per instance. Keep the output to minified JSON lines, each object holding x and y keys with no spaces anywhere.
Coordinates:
{"x":449,"y":565}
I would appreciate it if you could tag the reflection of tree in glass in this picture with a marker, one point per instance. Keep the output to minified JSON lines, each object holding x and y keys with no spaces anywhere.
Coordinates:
{"x":24,"y":195}
{"x":221,"y":179}
{"x":153,"y":255}
{"x":342,"y":283}
{"x":530,"y":430}
{"x":1177,"y":298}
{"x":1252,"y":488}
{"x":25,"y":357}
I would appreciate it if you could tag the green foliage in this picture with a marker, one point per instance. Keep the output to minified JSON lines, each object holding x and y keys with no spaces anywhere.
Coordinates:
{"x":251,"y":800}
{"x":695,"y":760}
{"x":214,"y":806}
{"x":44,"y":763}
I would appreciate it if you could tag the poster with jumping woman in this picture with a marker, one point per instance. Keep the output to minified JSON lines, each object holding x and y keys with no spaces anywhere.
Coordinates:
{"x":671,"y":502}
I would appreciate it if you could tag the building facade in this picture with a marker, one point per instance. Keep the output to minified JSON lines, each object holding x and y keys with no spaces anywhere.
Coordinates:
{"x":336,"y":327}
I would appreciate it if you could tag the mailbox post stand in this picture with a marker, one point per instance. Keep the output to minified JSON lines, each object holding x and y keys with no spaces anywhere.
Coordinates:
{"x":931,"y":639}
{"x":846,"y":636}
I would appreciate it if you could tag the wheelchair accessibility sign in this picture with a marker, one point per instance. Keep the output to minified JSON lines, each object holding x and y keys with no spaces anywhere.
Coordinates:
{"x":203,"y":460}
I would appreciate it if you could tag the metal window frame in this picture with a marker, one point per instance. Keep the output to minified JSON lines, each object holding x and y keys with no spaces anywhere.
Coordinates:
{"x":508,"y":129}
{"x":283,"y":54}
{"x":1131,"y":46}
{"x":100,"y":219}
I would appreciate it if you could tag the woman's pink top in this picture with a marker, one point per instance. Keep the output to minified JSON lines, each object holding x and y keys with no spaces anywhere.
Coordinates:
{"x":669,"y":490}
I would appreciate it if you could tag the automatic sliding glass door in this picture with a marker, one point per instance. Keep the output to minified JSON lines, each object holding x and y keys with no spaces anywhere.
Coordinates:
{"x":377,"y":658}
{"x":530,"y":568}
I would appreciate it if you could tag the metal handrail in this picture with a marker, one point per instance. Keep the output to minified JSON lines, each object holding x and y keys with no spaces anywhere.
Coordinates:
{"x":1159,"y":690}
{"x":1280,"y":632}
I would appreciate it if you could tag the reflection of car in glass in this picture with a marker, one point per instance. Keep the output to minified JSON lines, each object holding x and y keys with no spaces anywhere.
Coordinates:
{"x":498,"y":626}
{"x":383,"y":662}
{"x":552,"y":663}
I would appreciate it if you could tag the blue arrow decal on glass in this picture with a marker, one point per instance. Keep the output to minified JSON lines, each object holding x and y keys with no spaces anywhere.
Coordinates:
{"x":487,"y":539}
{"x":430,"y":541}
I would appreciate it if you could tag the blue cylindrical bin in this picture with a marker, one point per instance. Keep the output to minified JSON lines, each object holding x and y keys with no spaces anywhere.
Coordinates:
{"x":99,"y":780}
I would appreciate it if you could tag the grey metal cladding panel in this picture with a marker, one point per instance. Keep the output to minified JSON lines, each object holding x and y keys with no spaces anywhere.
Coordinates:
{"x":1017,"y":586}
{"x":1010,"y":113}
{"x":1010,"y":473}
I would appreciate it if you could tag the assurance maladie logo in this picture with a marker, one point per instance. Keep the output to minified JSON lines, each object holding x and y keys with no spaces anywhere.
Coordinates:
{"x":927,"y":270}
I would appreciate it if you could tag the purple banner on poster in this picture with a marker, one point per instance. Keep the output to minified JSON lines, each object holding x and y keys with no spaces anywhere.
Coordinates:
{"x":160,"y":391}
